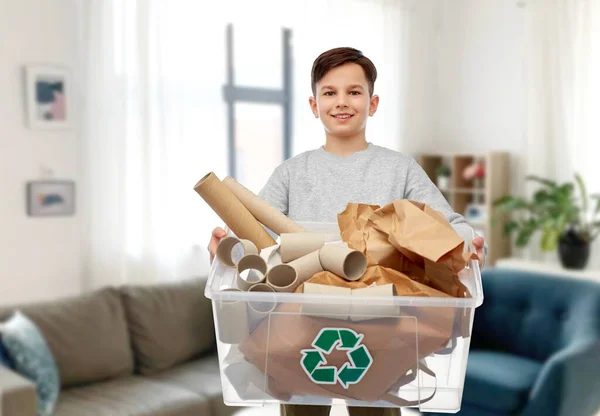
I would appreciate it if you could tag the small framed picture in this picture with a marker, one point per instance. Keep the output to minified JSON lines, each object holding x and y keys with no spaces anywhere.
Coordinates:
{"x":48,"y":90}
{"x":50,"y":198}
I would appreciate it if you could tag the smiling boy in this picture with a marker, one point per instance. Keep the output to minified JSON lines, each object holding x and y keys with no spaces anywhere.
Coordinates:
{"x":315,"y":186}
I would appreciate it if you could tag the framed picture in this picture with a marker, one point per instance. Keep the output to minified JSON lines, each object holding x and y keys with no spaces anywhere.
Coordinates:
{"x":50,"y":198}
{"x":48,"y":100}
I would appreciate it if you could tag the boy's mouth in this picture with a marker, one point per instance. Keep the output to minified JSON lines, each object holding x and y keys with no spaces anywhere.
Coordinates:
{"x":343,"y":116}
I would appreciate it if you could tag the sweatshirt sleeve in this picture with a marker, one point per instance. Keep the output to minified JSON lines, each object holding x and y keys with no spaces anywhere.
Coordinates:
{"x":419,"y":187}
{"x":276,"y":190}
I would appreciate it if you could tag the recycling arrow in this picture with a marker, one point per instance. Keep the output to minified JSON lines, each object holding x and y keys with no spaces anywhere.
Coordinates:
{"x":313,"y":361}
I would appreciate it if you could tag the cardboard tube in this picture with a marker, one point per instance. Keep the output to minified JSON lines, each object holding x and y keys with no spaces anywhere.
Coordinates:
{"x":307,"y":266}
{"x":225,"y":248}
{"x":232,"y":320}
{"x":257,"y":311}
{"x":262,"y":210}
{"x":245,"y":267}
{"x":324,"y":309}
{"x":361,"y":311}
{"x":343,"y":261}
{"x":283,"y":278}
{"x":232,"y":211}
{"x":294,"y":246}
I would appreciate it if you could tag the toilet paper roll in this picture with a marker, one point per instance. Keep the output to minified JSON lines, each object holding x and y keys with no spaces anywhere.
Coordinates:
{"x":232,"y":320}
{"x":343,"y":261}
{"x":296,"y":245}
{"x":361,"y":311}
{"x":259,"y":310}
{"x":226,"y":246}
{"x":307,"y":266}
{"x":232,"y":211}
{"x":251,"y":269}
{"x":283,"y":278}
{"x":325,"y":309}
{"x":262,"y":210}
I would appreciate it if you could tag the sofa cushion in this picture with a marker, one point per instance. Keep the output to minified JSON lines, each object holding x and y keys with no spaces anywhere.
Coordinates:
{"x":130,"y":396}
{"x":169,"y":323}
{"x":32,"y":359}
{"x":87,"y":335}
{"x":201,"y":377}
{"x":498,"y":381}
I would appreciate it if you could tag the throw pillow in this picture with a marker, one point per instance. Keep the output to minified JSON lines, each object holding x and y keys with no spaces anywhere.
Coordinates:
{"x":32,"y":359}
{"x":4,"y":357}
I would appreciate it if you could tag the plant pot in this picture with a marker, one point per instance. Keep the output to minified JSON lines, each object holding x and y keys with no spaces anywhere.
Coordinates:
{"x":573,"y":251}
{"x":443,"y":182}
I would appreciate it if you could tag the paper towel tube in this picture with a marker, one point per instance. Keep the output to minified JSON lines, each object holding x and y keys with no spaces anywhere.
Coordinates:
{"x":245,"y":268}
{"x":361,"y":311}
{"x":257,"y":311}
{"x":232,"y":211}
{"x":283,"y":278}
{"x":232,"y":320}
{"x":324,"y":309}
{"x":307,"y":266}
{"x":262,"y":210}
{"x":225,"y":248}
{"x":343,"y":261}
{"x":296,"y":245}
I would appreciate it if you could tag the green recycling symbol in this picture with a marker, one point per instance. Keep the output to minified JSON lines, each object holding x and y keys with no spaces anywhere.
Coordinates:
{"x":314,"y":363}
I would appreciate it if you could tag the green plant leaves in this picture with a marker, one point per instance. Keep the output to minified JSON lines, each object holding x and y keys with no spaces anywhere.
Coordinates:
{"x":554,"y":208}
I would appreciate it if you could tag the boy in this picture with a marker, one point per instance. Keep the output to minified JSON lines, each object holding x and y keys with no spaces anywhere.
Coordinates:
{"x":317,"y":185}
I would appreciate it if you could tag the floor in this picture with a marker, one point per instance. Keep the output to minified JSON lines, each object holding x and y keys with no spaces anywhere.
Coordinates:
{"x":274,"y":411}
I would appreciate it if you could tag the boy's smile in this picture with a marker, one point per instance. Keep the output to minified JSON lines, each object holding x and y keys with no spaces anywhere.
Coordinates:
{"x":343,"y":102}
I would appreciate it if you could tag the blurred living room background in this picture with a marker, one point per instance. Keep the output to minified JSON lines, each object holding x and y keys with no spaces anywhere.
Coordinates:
{"x":112,"y":110}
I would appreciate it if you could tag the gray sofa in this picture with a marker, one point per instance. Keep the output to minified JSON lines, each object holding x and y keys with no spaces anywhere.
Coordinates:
{"x":130,"y":350}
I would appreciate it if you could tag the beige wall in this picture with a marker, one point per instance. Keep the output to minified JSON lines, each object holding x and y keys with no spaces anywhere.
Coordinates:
{"x":39,"y":257}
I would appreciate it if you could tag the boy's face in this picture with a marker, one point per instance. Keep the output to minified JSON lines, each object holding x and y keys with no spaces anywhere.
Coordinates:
{"x":342,"y":101}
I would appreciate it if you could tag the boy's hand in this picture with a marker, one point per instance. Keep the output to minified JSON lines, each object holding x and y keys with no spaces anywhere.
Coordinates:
{"x":217,"y":235}
{"x":478,"y":243}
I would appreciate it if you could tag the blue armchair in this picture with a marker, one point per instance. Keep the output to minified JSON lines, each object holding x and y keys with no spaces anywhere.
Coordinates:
{"x":535,"y":347}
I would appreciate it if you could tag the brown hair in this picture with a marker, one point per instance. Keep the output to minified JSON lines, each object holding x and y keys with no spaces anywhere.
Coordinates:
{"x":340,"y":56}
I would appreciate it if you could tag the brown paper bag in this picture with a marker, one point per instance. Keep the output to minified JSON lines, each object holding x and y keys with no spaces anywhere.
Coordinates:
{"x":395,"y":344}
{"x":409,"y":237}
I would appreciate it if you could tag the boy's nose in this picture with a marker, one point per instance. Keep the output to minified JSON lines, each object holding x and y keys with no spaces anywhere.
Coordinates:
{"x":341,"y":102}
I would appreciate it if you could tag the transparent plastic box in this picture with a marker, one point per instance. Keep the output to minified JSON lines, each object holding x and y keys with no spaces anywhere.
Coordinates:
{"x":274,"y":348}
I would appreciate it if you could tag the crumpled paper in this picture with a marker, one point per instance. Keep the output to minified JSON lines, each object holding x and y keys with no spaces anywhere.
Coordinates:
{"x":409,"y":237}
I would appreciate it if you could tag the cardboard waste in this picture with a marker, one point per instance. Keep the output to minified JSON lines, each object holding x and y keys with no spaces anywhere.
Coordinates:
{"x":404,"y":248}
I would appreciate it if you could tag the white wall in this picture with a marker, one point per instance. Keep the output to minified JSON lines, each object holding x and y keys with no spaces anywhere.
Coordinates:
{"x":39,"y":257}
{"x":481,"y":94}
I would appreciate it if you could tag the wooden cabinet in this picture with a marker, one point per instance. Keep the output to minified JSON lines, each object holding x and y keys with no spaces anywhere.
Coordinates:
{"x":473,"y":198}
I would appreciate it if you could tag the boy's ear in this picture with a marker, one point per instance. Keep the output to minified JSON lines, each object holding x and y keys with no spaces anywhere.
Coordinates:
{"x":373,"y":105}
{"x":313,"y":106}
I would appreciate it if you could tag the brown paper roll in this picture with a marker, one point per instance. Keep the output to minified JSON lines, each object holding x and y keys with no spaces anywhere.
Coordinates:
{"x":307,"y":266}
{"x":232,"y":211}
{"x":232,"y":320}
{"x":257,"y":311}
{"x":296,"y":245}
{"x":345,"y":262}
{"x":251,"y":262}
{"x":283,"y":278}
{"x":326,"y":310}
{"x":361,"y":311}
{"x":225,"y":247}
{"x":262,"y":210}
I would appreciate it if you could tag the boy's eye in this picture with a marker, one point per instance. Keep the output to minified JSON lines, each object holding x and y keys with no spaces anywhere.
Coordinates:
{"x":328,"y":93}
{"x":355,"y":92}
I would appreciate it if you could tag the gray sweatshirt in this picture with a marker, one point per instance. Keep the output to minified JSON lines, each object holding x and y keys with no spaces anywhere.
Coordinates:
{"x":315,"y":186}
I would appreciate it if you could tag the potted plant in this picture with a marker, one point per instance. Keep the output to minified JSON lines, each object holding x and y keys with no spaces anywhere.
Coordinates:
{"x":443,"y":176}
{"x":565,"y":220}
